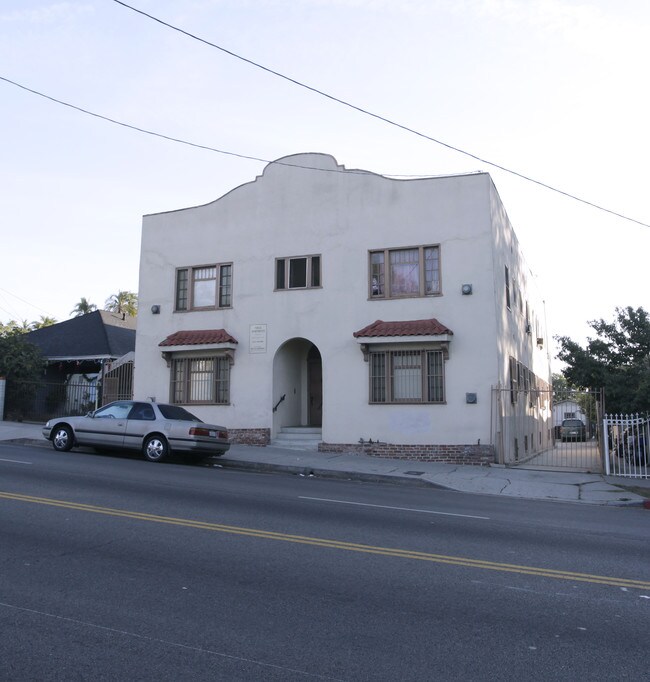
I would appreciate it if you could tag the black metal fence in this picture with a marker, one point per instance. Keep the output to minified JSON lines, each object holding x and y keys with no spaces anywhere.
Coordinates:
{"x":36,"y":401}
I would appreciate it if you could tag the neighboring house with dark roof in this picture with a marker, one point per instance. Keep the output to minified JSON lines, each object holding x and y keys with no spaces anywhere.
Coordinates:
{"x":376,"y":314}
{"x":84,"y":344}
{"x":89,"y":363}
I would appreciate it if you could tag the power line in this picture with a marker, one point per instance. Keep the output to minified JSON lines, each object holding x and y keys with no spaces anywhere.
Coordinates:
{"x":126,"y":125}
{"x":194,"y":144}
{"x":23,"y":301}
{"x":379,"y":117}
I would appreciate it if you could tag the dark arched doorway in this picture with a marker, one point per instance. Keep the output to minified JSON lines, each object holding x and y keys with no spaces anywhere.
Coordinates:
{"x":314,"y":387}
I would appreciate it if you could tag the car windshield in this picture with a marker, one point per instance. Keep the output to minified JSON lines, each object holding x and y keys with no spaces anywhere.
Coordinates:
{"x":114,"y":411}
{"x":571,"y":422}
{"x":176,"y":412}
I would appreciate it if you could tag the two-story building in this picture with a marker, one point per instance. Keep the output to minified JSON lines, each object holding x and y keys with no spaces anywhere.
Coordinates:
{"x":381,"y":313}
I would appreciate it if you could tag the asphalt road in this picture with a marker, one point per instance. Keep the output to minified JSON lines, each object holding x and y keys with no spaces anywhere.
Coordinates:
{"x":112,"y":568}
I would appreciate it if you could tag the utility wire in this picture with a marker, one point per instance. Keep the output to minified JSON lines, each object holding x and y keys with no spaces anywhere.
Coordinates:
{"x":126,"y":125}
{"x":195,"y":144}
{"x":379,"y":117}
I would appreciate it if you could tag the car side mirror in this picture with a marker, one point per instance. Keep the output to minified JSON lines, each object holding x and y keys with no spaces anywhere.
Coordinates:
{"x":90,"y":414}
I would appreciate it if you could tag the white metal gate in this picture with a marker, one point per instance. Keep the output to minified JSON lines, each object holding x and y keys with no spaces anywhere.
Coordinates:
{"x":627,"y":438}
{"x":531,"y":426}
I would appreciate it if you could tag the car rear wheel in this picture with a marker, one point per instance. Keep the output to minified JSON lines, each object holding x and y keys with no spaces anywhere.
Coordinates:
{"x":155,"y":448}
{"x":62,"y":438}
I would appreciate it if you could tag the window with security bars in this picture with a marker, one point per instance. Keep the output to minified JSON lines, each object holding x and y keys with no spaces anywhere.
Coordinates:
{"x":201,"y":381}
{"x":407,"y":376}
{"x":205,"y":287}
{"x":399,"y":273}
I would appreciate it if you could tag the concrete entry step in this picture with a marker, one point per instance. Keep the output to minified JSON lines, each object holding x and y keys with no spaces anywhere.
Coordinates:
{"x":302,"y":429}
{"x":298,"y":437}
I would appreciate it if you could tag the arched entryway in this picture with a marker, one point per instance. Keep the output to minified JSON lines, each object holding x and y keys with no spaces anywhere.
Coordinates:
{"x":297,"y":386}
{"x":314,"y":387}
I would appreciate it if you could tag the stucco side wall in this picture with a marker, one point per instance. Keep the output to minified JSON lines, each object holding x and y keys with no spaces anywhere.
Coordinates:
{"x":519,"y":327}
{"x":341,"y":216}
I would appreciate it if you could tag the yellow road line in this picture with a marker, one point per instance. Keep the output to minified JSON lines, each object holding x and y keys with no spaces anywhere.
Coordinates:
{"x":337,"y":544}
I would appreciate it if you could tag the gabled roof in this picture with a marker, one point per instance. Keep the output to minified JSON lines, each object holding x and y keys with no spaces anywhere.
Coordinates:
{"x":100,"y":334}
{"x":198,"y":337}
{"x":405,"y":328}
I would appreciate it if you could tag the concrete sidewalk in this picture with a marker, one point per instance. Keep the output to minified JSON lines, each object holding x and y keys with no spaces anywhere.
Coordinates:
{"x":562,"y":486}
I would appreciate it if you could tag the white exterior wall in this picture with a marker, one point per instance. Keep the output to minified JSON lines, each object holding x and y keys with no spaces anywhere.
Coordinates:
{"x":340,"y":216}
{"x":514,"y":340}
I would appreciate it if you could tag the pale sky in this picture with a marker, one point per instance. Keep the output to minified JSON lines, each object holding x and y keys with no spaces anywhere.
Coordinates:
{"x":554,"y":89}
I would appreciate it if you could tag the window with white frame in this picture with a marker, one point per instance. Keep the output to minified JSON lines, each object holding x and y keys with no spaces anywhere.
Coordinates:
{"x":407,"y":376}
{"x":399,"y":273}
{"x":297,"y":272}
{"x":204,"y":287}
{"x":200,"y":380}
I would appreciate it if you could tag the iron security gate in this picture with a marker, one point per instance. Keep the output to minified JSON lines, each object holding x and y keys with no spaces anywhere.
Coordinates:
{"x":542,"y":429}
{"x":117,"y":379}
{"x":626,"y":441}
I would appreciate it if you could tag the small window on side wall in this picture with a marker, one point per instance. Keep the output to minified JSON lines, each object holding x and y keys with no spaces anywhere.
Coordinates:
{"x":297,"y":272}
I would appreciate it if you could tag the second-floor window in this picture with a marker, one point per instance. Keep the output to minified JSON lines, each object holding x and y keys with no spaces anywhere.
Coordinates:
{"x":399,"y":273}
{"x":297,"y":272}
{"x":204,"y":287}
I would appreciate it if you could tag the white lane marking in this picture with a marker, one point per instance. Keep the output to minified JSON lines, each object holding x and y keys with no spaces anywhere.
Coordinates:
{"x":15,"y":461}
{"x":381,"y":506}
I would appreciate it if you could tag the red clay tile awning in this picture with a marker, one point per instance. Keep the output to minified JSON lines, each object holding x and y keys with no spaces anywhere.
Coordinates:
{"x":198,"y":337}
{"x":407,"y":328}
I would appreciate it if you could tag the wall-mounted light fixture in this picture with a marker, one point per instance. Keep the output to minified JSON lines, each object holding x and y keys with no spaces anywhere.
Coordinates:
{"x":155,"y":309}
{"x":471,"y":398}
{"x":466,"y":289}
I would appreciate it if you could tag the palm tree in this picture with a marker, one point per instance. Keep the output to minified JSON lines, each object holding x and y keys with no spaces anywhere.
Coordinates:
{"x":83,"y":307}
{"x":45,"y":321}
{"x":125,"y":302}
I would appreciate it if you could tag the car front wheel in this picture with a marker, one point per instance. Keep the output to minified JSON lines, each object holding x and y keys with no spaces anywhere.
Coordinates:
{"x":62,"y":438}
{"x":155,"y":449}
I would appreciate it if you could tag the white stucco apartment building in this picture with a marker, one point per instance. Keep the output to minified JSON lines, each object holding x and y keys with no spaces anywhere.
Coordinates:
{"x":381,"y":312}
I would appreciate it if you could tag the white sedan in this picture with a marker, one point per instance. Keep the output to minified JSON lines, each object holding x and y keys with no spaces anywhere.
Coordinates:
{"x":155,"y":429}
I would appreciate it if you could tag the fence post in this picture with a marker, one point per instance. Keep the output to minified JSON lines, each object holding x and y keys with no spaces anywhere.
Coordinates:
{"x":606,"y":443}
{"x":3,"y":383}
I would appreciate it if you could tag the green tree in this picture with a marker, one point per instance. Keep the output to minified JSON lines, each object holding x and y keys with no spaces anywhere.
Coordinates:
{"x":83,"y":308}
{"x":45,"y":321}
{"x":22,"y":364}
{"x":617,"y":359}
{"x":19,"y":360}
{"x":561,"y":388}
{"x":13,"y":326}
{"x":123,"y":302}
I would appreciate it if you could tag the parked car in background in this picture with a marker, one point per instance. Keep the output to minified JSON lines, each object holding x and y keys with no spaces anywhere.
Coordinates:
{"x":633,"y":445}
{"x":156,"y":429}
{"x":573,"y":430}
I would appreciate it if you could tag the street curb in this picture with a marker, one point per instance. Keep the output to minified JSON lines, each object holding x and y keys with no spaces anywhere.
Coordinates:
{"x":354,"y":476}
{"x":28,"y":441}
{"x":266,"y":467}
